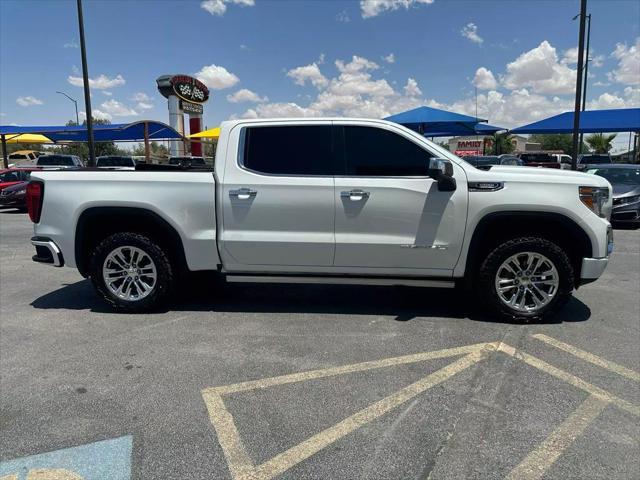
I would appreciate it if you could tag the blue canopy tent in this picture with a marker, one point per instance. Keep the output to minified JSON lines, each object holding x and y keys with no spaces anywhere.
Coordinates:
{"x":120,"y":132}
{"x":591,"y":121}
{"x":433,"y":122}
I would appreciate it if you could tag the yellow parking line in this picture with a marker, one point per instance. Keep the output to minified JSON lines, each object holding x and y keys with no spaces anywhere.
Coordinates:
{"x":356,"y":367}
{"x":590,"y":357}
{"x":539,"y":460}
{"x":570,"y":379}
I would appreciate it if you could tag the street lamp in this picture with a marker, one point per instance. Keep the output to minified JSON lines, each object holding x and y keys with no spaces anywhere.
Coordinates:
{"x":576,"y":111}
{"x":75,"y":103}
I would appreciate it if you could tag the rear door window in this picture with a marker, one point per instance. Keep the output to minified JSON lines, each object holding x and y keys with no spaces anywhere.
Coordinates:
{"x":289,"y":150}
{"x":373,"y":152}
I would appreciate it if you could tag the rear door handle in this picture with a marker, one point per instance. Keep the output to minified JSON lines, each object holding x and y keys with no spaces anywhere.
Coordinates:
{"x":243,"y":193}
{"x":355,"y":195}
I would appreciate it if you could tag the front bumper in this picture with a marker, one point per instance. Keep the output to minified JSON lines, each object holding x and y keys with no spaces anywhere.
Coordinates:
{"x":626,"y":212}
{"x":47,"y":252}
{"x":592,"y":268}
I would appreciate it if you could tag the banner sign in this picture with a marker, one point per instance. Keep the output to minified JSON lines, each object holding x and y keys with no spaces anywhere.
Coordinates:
{"x":190,"y":89}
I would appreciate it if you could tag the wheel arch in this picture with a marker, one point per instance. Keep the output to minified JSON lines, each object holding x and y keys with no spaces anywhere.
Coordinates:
{"x":96,"y":223}
{"x":497,"y":227}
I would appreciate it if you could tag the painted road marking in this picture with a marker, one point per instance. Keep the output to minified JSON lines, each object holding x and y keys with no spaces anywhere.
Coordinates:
{"x":241,"y":465}
{"x":534,"y":466}
{"x":590,"y":357}
{"x":94,"y":461}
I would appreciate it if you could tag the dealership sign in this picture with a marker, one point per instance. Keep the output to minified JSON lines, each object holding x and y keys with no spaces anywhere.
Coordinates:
{"x":188,"y":107}
{"x":189,"y":89}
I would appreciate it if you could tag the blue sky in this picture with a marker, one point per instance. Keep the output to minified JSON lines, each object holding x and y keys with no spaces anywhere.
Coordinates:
{"x":299,"y":57}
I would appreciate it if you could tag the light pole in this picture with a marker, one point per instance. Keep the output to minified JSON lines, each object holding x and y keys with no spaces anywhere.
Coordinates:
{"x":75,"y":103}
{"x":586,"y":74}
{"x":87,"y":93}
{"x":576,"y":110}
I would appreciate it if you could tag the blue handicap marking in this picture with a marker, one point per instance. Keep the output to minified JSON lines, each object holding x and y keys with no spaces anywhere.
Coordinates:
{"x":107,"y":459}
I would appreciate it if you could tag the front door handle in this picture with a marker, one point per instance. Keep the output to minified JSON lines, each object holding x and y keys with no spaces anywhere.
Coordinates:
{"x":243,"y":193}
{"x":355,"y":195}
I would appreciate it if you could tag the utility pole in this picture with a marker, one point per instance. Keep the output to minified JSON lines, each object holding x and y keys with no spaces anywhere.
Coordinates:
{"x":75,"y":103}
{"x":87,"y":93}
{"x":576,"y":110}
{"x":586,"y":75}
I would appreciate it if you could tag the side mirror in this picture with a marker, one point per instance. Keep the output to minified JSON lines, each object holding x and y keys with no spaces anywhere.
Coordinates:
{"x":441,"y":170}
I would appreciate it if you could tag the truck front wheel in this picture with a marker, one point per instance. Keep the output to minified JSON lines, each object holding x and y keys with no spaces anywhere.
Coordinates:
{"x":131,"y":272}
{"x":526,"y":279}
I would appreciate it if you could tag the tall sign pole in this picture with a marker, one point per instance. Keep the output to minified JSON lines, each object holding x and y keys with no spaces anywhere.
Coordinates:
{"x":578,"y":104}
{"x":87,"y":93}
{"x":586,"y":74}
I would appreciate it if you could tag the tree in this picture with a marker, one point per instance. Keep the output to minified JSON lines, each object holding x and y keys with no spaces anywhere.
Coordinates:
{"x":503,"y":143}
{"x":555,"y":141}
{"x":82,"y":149}
{"x":601,"y":143}
{"x":444,"y":145}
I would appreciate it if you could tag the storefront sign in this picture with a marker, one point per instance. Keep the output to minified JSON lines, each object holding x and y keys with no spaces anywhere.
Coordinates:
{"x":188,"y":107}
{"x":190,"y":89}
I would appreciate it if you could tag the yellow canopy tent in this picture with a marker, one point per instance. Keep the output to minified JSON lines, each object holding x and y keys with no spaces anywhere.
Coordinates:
{"x":27,"y":138}
{"x":212,"y":133}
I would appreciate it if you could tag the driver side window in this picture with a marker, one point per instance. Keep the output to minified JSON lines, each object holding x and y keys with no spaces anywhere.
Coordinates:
{"x":374,"y":152}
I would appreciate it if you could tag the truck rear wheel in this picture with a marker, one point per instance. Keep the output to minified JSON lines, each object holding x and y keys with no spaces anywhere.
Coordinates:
{"x":131,"y":272}
{"x":526,"y":279}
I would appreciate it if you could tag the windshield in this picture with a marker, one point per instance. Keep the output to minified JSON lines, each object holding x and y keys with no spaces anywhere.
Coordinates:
{"x":9,"y":177}
{"x":618,"y":176}
{"x":115,"y":162}
{"x":55,"y":160}
{"x":595,"y":159}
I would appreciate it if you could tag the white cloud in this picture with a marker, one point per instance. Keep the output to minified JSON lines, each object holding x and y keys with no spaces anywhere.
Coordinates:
{"x":601,"y":84}
{"x":101,"y":82}
{"x":570,"y":57}
{"x":372,"y":8}
{"x":28,"y":101}
{"x":71,"y":44}
{"x":391,"y":58}
{"x":117,"y":109}
{"x":309,"y":73}
{"x":218,"y":7}
{"x":245,"y":47}
{"x":97,"y":114}
{"x":628,"y":71}
{"x":144,"y":106}
{"x":343,"y":17}
{"x":106,"y":93}
{"x":470,"y":31}
{"x":540,"y":70}
{"x":140,"y":97}
{"x":411,"y":89}
{"x":484,"y":79}
{"x":216,"y":77}
{"x":245,"y":95}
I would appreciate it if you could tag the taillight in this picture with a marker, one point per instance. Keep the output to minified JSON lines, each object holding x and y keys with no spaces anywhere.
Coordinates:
{"x":35,"y":195}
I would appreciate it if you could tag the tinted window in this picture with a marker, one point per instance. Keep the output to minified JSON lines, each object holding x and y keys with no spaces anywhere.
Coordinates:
{"x":595,"y":159}
{"x":9,"y":177}
{"x":115,"y":162}
{"x":295,"y":150}
{"x":536,"y":158}
{"x":55,"y":160}
{"x":376,"y":152}
{"x":618,"y":176}
{"x":18,"y":156}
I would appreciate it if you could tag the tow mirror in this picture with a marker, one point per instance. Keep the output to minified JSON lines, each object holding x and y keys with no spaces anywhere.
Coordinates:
{"x":441,"y":170}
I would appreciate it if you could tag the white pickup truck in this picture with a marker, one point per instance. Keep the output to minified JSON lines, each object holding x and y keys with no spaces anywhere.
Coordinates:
{"x":329,"y":201}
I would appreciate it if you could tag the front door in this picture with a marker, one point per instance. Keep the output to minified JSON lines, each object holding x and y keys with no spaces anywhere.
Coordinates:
{"x":278,"y":199}
{"x":390,"y":217}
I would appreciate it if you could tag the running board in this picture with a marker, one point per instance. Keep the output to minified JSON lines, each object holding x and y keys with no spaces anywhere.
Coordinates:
{"x":387,"y":281}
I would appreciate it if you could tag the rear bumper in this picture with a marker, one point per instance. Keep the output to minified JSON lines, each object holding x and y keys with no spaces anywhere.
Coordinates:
{"x":47,"y":252}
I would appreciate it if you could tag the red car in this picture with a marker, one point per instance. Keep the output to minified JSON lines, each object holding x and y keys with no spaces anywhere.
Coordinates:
{"x":13,"y":176}
{"x":15,"y":196}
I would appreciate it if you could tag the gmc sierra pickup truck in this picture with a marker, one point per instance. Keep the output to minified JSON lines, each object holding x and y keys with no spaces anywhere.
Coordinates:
{"x":329,"y":201}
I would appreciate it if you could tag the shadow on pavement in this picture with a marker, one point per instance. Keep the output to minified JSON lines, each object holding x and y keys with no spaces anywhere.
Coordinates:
{"x":207,"y":294}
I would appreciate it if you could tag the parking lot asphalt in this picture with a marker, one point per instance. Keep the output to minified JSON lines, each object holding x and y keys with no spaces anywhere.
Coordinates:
{"x":328,"y":382}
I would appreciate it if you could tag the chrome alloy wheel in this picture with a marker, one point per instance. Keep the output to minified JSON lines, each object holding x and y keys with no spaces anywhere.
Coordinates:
{"x":527,"y":281}
{"x":129,"y":273}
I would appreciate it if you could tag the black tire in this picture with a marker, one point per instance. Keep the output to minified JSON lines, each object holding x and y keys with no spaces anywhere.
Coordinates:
{"x":489,"y":297}
{"x":165,"y":280}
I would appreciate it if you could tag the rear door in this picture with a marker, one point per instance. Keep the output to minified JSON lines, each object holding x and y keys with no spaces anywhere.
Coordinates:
{"x":390,"y":216}
{"x":278,"y":198}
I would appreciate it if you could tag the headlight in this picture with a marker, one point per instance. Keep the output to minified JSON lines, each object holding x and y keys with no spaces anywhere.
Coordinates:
{"x":627,"y":200}
{"x":595,"y":199}
{"x":21,"y":192}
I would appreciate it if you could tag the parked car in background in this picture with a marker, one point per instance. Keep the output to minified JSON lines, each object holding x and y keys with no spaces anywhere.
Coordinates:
{"x":563,"y":159}
{"x":539,"y":159}
{"x":14,"y":196}
{"x":59,"y":161}
{"x":13,"y":176}
{"x":187,"y":161}
{"x":483,"y":162}
{"x":23,"y":157}
{"x":115,"y":161}
{"x":329,"y":201}
{"x":625,"y":180}
{"x":585,"y":160}
{"x":512,"y":160}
